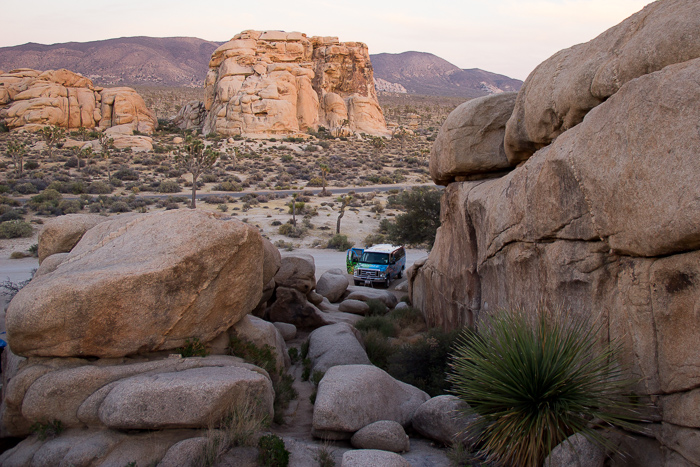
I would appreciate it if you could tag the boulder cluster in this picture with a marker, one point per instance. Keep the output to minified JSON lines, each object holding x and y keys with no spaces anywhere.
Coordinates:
{"x":580,"y":193}
{"x":274,"y":82}
{"x":31,"y":99}
{"x":98,"y":341}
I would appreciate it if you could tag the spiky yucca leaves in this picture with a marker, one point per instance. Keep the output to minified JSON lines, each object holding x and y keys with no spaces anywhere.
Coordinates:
{"x":535,"y":380}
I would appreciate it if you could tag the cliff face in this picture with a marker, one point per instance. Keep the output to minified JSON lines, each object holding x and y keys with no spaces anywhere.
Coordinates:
{"x":273,"y":82}
{"x":602,"y":220}
{"x":31,"y":99}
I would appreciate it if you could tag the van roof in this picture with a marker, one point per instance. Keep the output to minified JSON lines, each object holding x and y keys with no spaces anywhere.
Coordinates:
{"x":383,"y":248}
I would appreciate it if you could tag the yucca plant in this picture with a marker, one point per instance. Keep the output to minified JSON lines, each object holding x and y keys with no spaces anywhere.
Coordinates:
{"x":534,"y":380}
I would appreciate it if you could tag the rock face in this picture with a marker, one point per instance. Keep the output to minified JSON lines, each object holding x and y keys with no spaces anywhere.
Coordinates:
{"x":564,"y":88}
{"x":62,"y":233}
{"x":139,"y":284}
{"x":336,"y":344}
{"x":274,"y":82}
{"x":32,"y":99}
{"x":602,"y":220}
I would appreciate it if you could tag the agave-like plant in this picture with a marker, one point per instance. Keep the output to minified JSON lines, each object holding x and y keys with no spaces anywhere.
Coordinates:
{"x":536,"y":379}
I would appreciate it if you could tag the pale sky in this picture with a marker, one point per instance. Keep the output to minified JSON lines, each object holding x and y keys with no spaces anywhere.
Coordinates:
{"x":510,"y":37}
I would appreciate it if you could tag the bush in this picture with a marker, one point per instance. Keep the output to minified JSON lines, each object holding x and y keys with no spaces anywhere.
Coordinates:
{"x":47,"y":430}
{"x":339,"y":242}
{"x":119,"y":206}
{"x":15,"y":229}
{"x":378,"y":348}
{"x":228,"y":186}
{"x":376,"y":307}
{"x":169,"y":186}
{"x":273,"y":452}
{"x":381,"y":324}
{"x":535,"y":379}
{"x":99,"y":188}
{"x":192,"y":348}
{"x":421,"y":220}
{"x":264,"y":357}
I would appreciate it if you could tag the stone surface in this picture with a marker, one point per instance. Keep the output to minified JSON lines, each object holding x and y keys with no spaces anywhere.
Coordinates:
{"x":385,"y":435}
{"x":272,"y":82}
{"x":576,"y":451}
{"x":297,"y":271}
{"x":288,"y":331}
{"x":31,"y":99}
{"x":353,"y":306}
{"x":263,"y":333}
{"x":367,"y":457}
{"x":442,"y":419}
{"x":351,"y":397}
{"x":139,"y":284}
{"x":290,"y":306}
{"x":563,"y":89}
{"x":470,"y":142}
{"x":366,"y":293}
{"x":332,"y":284}
{"x":184,"y":454}
{"x":62,"y":233}
{"x":336,"y":344}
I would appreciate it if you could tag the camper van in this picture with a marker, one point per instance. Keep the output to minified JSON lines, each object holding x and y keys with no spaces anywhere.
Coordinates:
{"x":380,"y":263}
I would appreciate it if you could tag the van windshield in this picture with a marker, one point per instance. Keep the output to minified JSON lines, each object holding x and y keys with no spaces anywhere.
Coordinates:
{"x":375,"y":258}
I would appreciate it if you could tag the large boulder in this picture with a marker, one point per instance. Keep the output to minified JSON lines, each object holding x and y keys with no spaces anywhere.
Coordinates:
{"x":336,"y":344}
{"x":263,"y":333}
{"x":332,"y":284}
{"x":351,"y":397}
{"x":470,"y":142}
{"x":442,"y":419}
{"x":576,"y":451}
{"x":132,"y":393}
{"x":564,"y":88}
{"x":365,"y":293}
{"x":290,"y":306}
{"x":62,"y":233}
{"x":139,"y":284}
{"x":297,"y":271}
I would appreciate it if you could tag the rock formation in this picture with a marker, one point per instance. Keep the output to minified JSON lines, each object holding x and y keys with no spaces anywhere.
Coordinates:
{"x":32,"y":99}
{"x":601,"y":220}
{"x":273,"y":82}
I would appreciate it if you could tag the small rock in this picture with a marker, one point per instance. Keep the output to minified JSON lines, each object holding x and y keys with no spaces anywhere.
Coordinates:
{"x":441,"y":419}
{"x":288,"y":331}
{"x":385,"y":435}
{"x":353,"y":306}
{"x":576,"y":451}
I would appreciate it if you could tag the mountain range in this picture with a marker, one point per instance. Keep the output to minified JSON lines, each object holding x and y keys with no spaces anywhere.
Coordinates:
{"x":184,"y":61}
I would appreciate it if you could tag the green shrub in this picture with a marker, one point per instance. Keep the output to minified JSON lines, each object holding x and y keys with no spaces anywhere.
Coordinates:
{"x":169,"y":186}
{"x":263,"y":357}
{"x":192,"y":348}
{"x":284,"y":393}
{"x":99,"y":188}
{"x":26,"y":188}
{"x":379,"y":323}
{"x":15,"y":229}
{"x":324,"y":455}
{"x":406,"y":317}
{"x":535,"y":379}
{"x":119,"y":206}
{"x":424,"y":363}
{"x":376,"y":307}
{"x":47,"y":430}
{"x":273,"y":452}
{"x":378,"y":348}
{"x":422,"y":218}
{"x":339,"y":242}
{"x":293,"y":355}
{"x":228,"y":186}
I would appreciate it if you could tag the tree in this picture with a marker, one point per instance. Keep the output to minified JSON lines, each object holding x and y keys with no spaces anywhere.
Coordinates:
{"x":107,"y":145}
{"x":195,"y":158}
{"x":338,"y":131}
{"x":344,"y":200}
{"x":401,"y":134}
{"x":378,"y":143}
{"x":324,"y":172}
{"x":16,"y":151}
{"x":422,"y":218}
{"x":52,"y":135}
{"x":82,"y":154}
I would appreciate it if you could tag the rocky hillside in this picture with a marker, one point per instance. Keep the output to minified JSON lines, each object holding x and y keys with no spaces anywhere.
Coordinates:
{"x":170,"y":61}
{"x":428,"y":74}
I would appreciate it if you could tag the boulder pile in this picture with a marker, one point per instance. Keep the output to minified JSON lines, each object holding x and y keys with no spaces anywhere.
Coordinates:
{"x":594,"y":208}
{"x":31,"y":99}
{"x":263,"y":83}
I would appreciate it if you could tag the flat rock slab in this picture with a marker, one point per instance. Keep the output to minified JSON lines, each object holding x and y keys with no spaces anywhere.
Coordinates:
{"x":365,"y":293}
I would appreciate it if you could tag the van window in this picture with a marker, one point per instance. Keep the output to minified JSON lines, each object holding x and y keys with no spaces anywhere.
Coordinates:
{"x":375,"y":258}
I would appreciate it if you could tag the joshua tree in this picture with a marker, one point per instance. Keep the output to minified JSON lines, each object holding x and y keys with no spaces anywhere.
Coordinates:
{"x":195,"y":158}
{"x":52,"y":135}
{"x":324,"y":172}
{"x":294,"y":208}
{"x":17,"y":151}
{"x":344,"y":200}
{"x":107,"y":145}
{"x":81,"y":154}
{"x":378,"y":143}
{"x":400,"y":134}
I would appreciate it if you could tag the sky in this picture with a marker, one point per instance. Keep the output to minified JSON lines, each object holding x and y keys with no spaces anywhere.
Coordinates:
{"x":509,"y":37}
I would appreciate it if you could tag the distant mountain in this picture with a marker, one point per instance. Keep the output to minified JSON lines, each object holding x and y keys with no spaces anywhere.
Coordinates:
{"x":428,"y":74}
{"x":168,"y":61}
{"x":184,"y":61}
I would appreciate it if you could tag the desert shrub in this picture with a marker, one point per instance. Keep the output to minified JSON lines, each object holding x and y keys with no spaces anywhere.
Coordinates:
{"x":119,"y":206}
{"x":264,"y":357}
{"x":339,"y":242}
{"x":31,"y":165}
{"x":19,"y":255}
{"x":69,"y":206}
{"x":374,"y":239}
{"x":378,"y":323}
{"x":315,"y":181}
{"x":192,"y":348}
{"x":26,"y":188}
{"x":169,"y":186}
{"x":15,"y":229}
{"x":535,"y":379}
{"x":424,"y":362}
{"x":284,"y":393}
{"x":126,"y":174}
{"x":47,"y":430}
{"x":378,"y":347}
{"x":222,"y":207}
{"x":272,"y":451}
{"x":228,"y":186}
{"x":406,"y":317}
{"x":421,"y":220}
{"x":376,"y":307}
{"x":293,"y":355}
{"x":324,"y":456}
{"x":99,"y":188}
{"x":12,"y":215}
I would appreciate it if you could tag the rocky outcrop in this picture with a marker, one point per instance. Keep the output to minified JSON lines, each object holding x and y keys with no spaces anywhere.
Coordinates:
{"x":564,"y":88}
{"x":273,"y":82}
{"x":140,"y":284}
{"x":602,"y":219}
{"x":32,"y":99}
